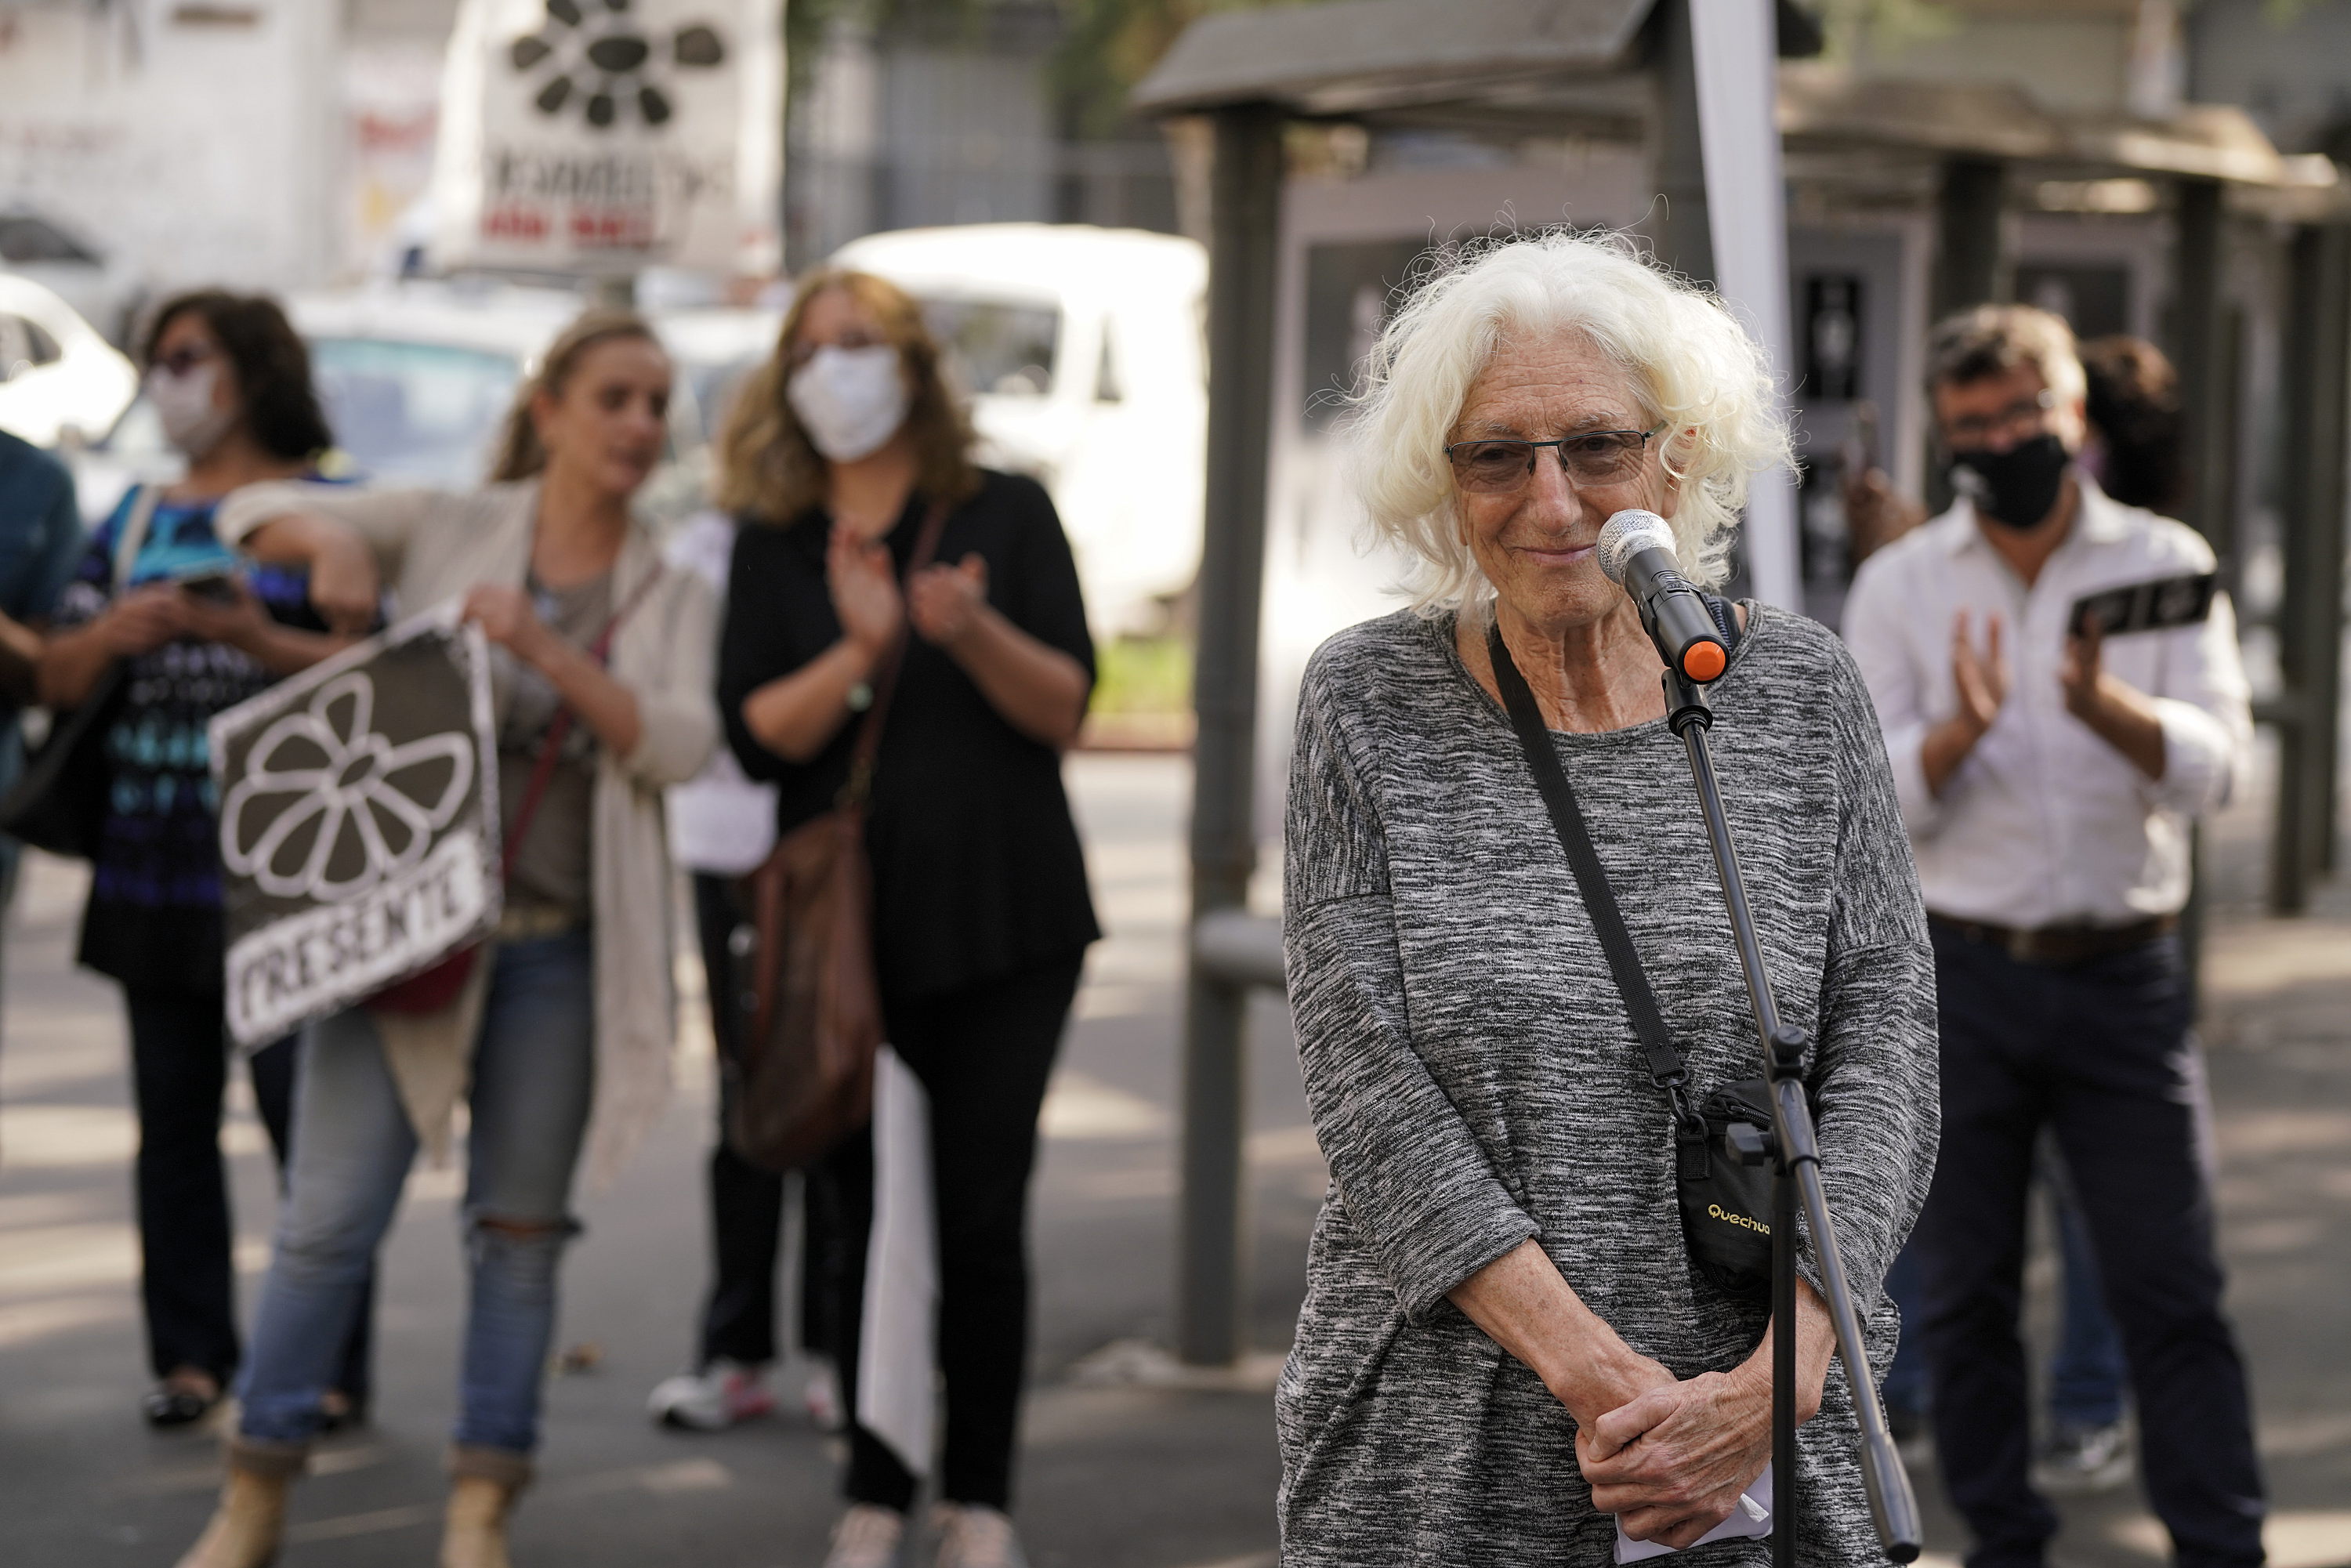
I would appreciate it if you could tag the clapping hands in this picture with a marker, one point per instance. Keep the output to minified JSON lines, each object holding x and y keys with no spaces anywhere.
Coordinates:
{"x":945,"y":600}
{"x":1979,"y":679}
{"x":944,"y":603}
{"x":864,"y":590}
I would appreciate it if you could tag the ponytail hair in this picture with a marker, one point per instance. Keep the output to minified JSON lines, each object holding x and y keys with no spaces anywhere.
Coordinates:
{"x":519,"y":454}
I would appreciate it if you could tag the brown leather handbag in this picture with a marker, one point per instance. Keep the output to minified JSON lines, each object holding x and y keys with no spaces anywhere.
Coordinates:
{"x":809,"y":1007}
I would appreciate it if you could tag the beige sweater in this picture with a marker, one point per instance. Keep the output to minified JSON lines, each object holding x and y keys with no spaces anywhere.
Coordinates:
{"x":432,"y":545}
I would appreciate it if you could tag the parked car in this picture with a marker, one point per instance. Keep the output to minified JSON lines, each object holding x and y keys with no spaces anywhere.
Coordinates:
{"x":1081,"y":348}
{"x":417,"y":377}
{"x":34,"y":246}
{"x":59,"y":379}
{"x":715,"y":348}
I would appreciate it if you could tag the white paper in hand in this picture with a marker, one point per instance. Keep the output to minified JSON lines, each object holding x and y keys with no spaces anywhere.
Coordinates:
{"x":1752,"y":1517}
{"x":897,"y":1382}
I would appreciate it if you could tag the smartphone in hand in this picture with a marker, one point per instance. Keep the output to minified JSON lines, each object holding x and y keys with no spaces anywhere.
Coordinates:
{"x":214,"y":587}
{"x":2164,"y":604}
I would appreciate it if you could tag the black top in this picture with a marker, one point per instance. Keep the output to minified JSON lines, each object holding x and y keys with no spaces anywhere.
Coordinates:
{"x":153,"y":920}
{"x":976,"y":867}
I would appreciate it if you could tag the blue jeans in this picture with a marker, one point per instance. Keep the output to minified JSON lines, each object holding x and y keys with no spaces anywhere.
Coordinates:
{"x":533,"y":1077}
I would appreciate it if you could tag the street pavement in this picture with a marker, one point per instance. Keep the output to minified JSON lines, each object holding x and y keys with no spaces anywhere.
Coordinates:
{"x":1123,"y":1466}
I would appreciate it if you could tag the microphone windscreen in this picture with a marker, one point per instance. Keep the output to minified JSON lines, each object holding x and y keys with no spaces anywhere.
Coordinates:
{"x":1628,"y":531}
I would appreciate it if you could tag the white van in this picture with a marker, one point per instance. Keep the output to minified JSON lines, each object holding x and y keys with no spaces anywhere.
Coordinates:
{"x":58,"y":378}
{"x":1082,"y":351}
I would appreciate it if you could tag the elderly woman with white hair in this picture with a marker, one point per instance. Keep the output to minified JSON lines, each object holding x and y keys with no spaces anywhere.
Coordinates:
{"x":1505,"y":1339}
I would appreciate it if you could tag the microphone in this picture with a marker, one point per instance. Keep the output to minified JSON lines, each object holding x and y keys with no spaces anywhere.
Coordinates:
{"x":1637,"y":551}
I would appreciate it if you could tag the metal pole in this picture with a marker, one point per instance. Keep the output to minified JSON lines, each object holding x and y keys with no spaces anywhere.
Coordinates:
{"x":2322,"y":662}
{"x":2318,"y":409}
{"x":1892,"y":1508}
{"x":1676,"y":226}
{"x":1245,"y":216}
{"x":1971,"y":261}
{"x":2209,"y":404}
{"x":2202,"y":359}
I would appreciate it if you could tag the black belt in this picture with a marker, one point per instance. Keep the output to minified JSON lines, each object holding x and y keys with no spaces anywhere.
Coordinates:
{"x":2057,"y":946}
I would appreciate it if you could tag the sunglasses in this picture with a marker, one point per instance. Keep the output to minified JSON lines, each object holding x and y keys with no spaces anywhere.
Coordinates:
{"x":180,"y":360}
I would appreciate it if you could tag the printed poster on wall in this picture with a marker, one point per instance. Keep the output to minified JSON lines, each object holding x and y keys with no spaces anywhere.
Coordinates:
{"x":358,"y":824}
{"x":603,"y":136}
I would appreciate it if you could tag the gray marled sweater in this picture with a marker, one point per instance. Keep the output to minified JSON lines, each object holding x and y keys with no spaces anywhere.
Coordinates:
{"x":1475,"y":1079}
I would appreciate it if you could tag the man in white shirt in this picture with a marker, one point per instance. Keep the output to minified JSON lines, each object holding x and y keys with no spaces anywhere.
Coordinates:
{"x":2049,"y":782}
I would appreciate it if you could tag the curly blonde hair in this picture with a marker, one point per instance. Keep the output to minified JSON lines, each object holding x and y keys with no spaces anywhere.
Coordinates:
{"x":770,"y":471}
{"x":1692,"y":367}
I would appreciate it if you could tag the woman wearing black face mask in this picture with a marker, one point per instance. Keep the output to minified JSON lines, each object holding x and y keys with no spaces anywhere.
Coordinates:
{"x":157,"y":590}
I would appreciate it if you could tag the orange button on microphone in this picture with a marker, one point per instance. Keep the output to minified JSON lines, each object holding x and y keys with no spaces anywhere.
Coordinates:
{"x":1704,"y":660}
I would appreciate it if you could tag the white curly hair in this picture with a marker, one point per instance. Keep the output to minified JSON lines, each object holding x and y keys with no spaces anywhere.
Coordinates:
{"x":1691,"y":365}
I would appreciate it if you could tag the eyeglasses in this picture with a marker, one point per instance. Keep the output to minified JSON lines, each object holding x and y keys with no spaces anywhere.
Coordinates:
{"x":1595,"y":458}
{"x":180,"y":360}
{"x":2023,"y":417}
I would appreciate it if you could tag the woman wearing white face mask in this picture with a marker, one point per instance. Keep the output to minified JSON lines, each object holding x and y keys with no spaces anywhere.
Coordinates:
{"x":158,"y":590}
{"x":846,"y":459}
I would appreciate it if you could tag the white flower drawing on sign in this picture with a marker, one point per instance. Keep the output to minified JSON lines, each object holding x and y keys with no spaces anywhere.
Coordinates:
{"x":351,"y":790}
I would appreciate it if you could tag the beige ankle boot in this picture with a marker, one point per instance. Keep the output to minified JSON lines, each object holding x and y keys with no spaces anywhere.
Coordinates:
{"x":245,"y":1529}
{"x":473,"y":1535}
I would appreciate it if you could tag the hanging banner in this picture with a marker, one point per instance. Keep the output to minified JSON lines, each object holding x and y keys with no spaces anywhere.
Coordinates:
{"x":358,"y":817}
{"x":604,"y":136}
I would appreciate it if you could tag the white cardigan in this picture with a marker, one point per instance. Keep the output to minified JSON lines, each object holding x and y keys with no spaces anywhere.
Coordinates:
{"x":432,"y":546}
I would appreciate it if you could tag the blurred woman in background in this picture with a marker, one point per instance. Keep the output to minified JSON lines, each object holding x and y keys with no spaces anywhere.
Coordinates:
{"x":844,"y":452}
{"x":2137,"y":449}
{"x":156,"y":587}
{"x":561,"y":1036}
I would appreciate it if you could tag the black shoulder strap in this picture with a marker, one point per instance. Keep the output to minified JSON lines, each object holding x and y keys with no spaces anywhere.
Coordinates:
{"x":1665,"y":1069}
{"x":1726,"y":618}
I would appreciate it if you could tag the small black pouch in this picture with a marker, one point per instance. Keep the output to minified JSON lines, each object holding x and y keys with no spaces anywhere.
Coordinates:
{"x":1726,"y":1190}
{"x":1722,"y":1172}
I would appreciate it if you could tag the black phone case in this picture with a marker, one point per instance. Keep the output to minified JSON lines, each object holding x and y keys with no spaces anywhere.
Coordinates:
{"x":2164,"y":604}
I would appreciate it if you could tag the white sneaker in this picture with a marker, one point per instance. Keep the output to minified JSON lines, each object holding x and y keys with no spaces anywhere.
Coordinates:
{"x":867,"y":1537}
{"x":974,"y":1537}
{"x":722,"y":1394}
{"x":2076,"y":1461}
{"x":821,"y":1399}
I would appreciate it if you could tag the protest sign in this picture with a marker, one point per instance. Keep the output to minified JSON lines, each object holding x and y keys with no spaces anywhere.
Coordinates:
{"x":358,"y":824}
{"x":601,"y":138}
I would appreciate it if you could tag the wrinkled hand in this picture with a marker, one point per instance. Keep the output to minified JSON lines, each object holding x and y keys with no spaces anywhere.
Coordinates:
{"x":945,"y":600}
{"x":345,"y":587}
{"x":239,"y":622}
{"x":1981,"y":679}
{"x":144,"y":620}
{"x":1600,"y":1390}
{"x":864,"y":589}
{"x":1670,"y":1465}
{"x":504,"y":614}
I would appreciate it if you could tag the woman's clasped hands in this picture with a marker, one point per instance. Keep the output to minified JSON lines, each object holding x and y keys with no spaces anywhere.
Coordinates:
{"x":1671,"y":1462}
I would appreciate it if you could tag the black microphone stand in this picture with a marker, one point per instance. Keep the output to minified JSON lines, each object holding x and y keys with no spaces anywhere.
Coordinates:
{"x":1795,"y":1168}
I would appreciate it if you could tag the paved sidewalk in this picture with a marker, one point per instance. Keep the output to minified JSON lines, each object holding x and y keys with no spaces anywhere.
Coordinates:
{"x":1114,"y":1476}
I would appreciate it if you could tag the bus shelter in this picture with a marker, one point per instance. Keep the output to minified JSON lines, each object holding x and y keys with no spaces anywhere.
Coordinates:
{"x":1345,"y":138}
